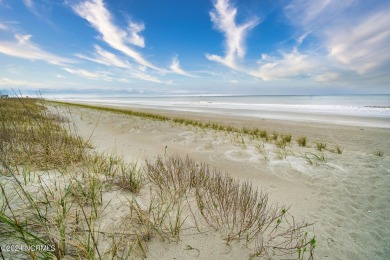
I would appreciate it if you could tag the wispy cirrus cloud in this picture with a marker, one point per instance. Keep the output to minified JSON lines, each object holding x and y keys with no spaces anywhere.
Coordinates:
{"x":175,"y":67}
{"x":224,"y":19}
{"x":353,"y":35}
{"x":21,"y":83}
{"x":40,"y":10}
{"x":107,"y":58}
{"x":363,"y":46}
{"x":96,"y":13}
{"x":25,"y":49}
{"x":290,"y":65}
{"x":315,"y":14}
{"x":111,"y":60}
{"x":28,"y":3}
{"x":3,"y":27}
{"x":88,"y":74}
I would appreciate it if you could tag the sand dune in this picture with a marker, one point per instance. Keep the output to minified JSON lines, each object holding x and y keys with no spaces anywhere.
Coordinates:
{"x":347,"y":195}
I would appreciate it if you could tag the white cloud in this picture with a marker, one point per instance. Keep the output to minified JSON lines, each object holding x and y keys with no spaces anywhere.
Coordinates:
{"x":289,"y":65}
{"x":134,"y":37}
{"x":109,"y":59}
{"x":104,"y":57}
{"x":363,"y":46}
{"x":25,"y":49}
{"x":292,"y":64}
{"x":146,"y":77}
{"x":327,"y":76}
{"x":224,"y":19}
{"x":175,"y":67}
{"x":3,"y":27}
{"x":95,"y":12}
{"x":28,"y":3}
{"x":20,"y":83}
{"x":354,"y":36}
{"x":89,"y":74}
{"x":314,"y":14}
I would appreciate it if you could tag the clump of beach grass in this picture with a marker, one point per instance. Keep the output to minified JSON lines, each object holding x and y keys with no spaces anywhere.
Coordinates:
{"x":302,"y":141}
{"x":286,"y":138}
{"x":379,"y":153}
{"x":320,"y":146}
{"x":274,"y":136}
{"x":238,"y":210}
{"x":338,"y":150}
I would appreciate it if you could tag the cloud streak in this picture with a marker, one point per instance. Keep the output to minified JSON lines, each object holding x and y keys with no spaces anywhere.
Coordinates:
{"x":175,"y":67}
{"x":363,"y":47}
{"x":96,"y":13}
{"x":21,"y":83}
{"x":104,"y":57}
{"x":289,"y":65}
{"x":355,"y":36}
{"x":25,"y":49}
{"x":88,"y":74}
{"x":224,"y":19}
{"x":111,"y":60}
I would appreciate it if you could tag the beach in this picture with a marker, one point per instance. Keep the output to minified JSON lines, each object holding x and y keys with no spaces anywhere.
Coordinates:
{"x":345,"y":195}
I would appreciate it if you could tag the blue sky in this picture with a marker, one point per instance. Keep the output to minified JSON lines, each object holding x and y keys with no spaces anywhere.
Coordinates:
{"x":195,"y":47}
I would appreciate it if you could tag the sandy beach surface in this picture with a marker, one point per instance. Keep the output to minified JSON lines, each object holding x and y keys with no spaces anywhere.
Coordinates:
{"x":346,"y":195}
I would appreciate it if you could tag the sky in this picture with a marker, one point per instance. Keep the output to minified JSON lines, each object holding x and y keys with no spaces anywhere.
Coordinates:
{"x":176,"y":47}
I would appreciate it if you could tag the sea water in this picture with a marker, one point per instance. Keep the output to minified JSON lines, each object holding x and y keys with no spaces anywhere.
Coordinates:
{"x":362,"y":110}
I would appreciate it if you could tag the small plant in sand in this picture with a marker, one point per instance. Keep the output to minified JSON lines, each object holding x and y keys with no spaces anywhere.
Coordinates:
{"x":263,"y":134}
{"x":379,"y":153}
{"x":286,"y":138}
{"x":130,"y":178}
{"x":338,"y":150}
{"x":313,"y":158}
{"x":274,"y":135}
{"x":320,"y":146}
{"x":238,"y":210}
{"x":302,"y":141}
{"x":281,"y":144}
{"x":261,"y":149}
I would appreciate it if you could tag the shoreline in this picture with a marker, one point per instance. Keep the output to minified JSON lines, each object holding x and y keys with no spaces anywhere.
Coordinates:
{"x":319,"y":131}
{"x":349,"y":119}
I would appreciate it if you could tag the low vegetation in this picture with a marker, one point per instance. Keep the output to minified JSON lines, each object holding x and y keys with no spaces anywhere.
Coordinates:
{"x":379,"y":153}
{"x":320,"y":146}
{"x":302,"y":141}
{"x":255,"y":133}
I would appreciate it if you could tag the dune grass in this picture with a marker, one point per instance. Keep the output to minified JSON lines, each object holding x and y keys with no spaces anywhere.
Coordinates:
{"x":53,"y":194}
{"x":254,"y":133}
{"x":302,"y":141}
{"x":237,"y":210}
{"x":379,"y":153}
{"x":57,"y":191}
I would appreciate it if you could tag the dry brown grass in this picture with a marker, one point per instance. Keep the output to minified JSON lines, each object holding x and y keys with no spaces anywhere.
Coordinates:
{"x":237,"y":210}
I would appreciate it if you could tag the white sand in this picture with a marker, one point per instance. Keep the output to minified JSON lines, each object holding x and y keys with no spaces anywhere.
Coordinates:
{"x":347,"y":196}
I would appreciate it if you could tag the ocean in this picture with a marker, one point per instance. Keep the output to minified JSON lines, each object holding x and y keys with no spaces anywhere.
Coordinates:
{"x":360,"y":110}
